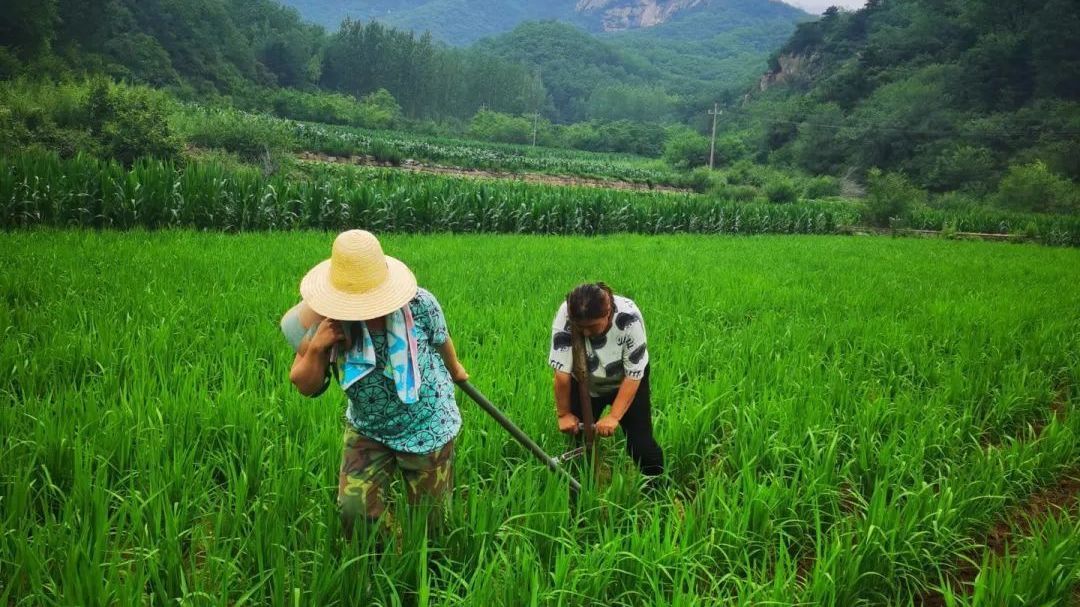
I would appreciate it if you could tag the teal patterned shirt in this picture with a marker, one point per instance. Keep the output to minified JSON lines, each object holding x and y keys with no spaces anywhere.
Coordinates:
{"x":426,"y":425}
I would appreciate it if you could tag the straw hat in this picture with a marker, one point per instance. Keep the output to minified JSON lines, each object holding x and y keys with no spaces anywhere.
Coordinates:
{"x":358,"y":282}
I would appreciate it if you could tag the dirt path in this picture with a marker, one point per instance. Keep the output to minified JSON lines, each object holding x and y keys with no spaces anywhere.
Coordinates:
{"x":872,"y":231}
{"x":1017,"y":523}
{"x":1062,"y":496}
{"x":541,"y":178}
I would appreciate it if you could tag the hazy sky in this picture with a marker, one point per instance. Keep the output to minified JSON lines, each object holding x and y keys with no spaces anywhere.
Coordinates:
{"x":816,"y":7}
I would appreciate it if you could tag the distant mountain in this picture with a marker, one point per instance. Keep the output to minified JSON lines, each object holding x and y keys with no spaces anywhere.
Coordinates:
{"x":958,"y":94}
{"x":722,"y":43}
{"x":457,"y":22}
{"x":461,"y":22}
{"x":652,"y":59}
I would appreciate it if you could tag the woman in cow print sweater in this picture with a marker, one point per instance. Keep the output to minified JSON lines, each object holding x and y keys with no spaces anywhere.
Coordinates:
{"x":618,"y":360}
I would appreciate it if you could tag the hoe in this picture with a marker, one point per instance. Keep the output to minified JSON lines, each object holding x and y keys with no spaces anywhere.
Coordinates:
{"x":587,"y":427}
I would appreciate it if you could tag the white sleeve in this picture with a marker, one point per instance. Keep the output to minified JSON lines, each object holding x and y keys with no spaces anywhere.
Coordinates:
{"x":561,"y":355}
{"x":293,"y":329}
{"x":635,"y":350}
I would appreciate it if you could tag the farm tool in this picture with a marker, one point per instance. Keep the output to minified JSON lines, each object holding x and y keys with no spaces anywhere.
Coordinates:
{"x":552,"y":462}
{"x":587,"y":427}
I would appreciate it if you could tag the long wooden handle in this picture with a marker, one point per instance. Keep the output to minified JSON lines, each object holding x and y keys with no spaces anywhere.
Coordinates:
{"x":518,"y":434}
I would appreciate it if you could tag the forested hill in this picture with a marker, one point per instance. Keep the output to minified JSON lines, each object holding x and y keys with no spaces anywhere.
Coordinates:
{"x":462,"y":22}
{"x":662,"y":72}
{"x":951,"y":92}
{"x":242,"y":48}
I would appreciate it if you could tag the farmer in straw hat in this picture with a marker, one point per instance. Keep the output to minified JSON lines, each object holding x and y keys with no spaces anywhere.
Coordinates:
{"x":364,"y":316}
{"x":613,"y":330}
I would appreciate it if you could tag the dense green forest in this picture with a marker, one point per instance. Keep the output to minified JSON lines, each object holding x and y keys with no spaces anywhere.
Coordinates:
{"x":242,"y":48}
{"x":956,"y":95}
{"x":456,"y":22}
{"x":463,"y":22}
{"x":975,"y":99}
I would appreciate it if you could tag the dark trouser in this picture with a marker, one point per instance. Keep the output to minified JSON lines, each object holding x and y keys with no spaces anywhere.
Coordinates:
{"x":636,"y":424}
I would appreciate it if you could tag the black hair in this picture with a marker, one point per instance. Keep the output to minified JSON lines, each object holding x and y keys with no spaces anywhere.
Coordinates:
{"x":588,"y":301}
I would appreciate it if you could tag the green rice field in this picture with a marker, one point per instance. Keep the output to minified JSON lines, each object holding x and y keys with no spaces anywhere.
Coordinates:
{"x":845,"y":419}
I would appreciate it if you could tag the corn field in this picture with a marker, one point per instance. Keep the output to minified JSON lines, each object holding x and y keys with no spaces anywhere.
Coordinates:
{"x":41,"y":189}
{"x":475,"y":154}
{"x":230,"y":129}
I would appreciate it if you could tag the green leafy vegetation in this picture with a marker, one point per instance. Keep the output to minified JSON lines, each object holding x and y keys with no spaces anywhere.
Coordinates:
{"x":862,"y":413}
{"x":41,"y":189}
{"x":964,"y":96}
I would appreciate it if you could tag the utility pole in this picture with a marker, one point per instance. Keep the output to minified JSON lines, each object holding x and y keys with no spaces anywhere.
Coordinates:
{"x":536,"y":113}
{"x":716,"y":111}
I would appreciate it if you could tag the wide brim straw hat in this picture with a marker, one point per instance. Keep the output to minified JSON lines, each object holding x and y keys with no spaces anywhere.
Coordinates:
{"x":358,"y":282}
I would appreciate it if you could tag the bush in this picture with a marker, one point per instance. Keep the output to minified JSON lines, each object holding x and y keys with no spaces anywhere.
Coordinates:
{"x":686,"y":149}
{"x":504,"y":128}
{"x":700,"y":179}
{"x":889,"y":197}
{"x":644,"y":139}
{"x":781,"y":191}
{"x":98,"y":117}
{"x":745,"y":172}
{"x":738,"y":193}
{"x":10,"y":66}
{"x":379,"y":110}
{"x":250,"y":136}
{"x":1032,"y":187}
{"x":821,"y":187}
{"x":729,"y":150}
{"x":956,"y":201}
{"x":386,"y":152}
{"x":962,"y":167}
{"x":134,"y":124}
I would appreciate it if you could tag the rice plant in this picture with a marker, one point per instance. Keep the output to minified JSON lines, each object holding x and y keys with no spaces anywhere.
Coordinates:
{"x":843,"y":419}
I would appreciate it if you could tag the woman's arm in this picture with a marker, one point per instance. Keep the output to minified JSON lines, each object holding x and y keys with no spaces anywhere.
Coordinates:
{"x":568,"y":422}
{"x":296,"y":323}
{"x":450,"y":359}
{"x":308,"y":371}
{"x":627,"y":391}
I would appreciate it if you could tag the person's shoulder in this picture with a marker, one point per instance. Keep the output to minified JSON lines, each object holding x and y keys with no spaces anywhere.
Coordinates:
{"x":424,"y":300}
{"x":561,"y":314}
{"x":625,"y":304}
{"x":627,"y":313}
{"x":423,"y":295}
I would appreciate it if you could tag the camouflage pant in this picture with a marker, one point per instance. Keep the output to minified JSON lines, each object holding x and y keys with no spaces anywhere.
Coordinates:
{"x":367,"y":469}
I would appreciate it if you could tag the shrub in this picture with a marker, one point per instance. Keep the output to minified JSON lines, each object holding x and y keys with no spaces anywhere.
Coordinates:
{"x":10,"y":66}
{"x":737,"y":193}
{"x":1032,"y":187}
{"x":781,"y":191}
{"x":700,"y":179}
{"x":890,"y":197}
{"x":96,"y":117}
{"x":644,"y":139}
{"x":386,"y":152}
{"x":962,"y":167}
{"x":686,"y":149}
{"x":136,"y":124}
{"x":821,"y":187}
{"x":729,"y":150}
{"x":494,"y":126}
{"x":250,"y":136}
